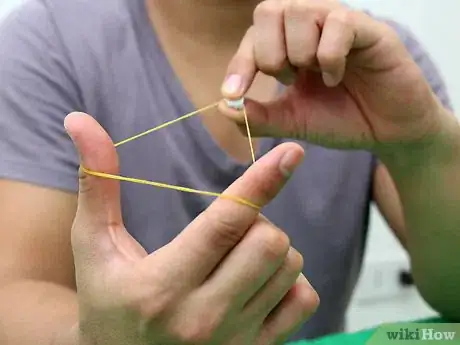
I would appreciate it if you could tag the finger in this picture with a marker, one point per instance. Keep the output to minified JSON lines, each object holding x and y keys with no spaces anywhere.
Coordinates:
{"x":98,"y":232}
{"x":271,"y":294}
{"x":302,"y":34}
{"x":295,"y":308}
{"x":248,"y":266}
{"x":336,"y":43}
{"x":241,"y":70}
{"x":262,"y":49}
{"x":99,"y":198}
{"x":213,"y":234}
{"x":346,"y":30}
{"x":269,"y":39}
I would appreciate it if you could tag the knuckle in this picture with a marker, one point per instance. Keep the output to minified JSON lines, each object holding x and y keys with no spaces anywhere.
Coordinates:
{"x":197,"y":330}
{"x":198,"y":333}
{"x":313,"y":9}
{"x":266,"y":9}
{"x":273,"y":243}
{"x":151,"y":306}
{"x":268,"y":183}
{"x":343,"y":17}
{"x":226,"y":233}
{"x":297,"y":7}
{"x":390,"y":33}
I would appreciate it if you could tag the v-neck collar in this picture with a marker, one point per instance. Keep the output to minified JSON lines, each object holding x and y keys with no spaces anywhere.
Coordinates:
{"x":150,"y":44}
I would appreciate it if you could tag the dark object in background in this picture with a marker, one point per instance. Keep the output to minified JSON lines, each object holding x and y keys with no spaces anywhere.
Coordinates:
{"x":406,"y":279}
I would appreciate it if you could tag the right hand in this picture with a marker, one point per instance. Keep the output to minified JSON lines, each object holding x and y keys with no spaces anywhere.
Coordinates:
{"x":230,"y":277}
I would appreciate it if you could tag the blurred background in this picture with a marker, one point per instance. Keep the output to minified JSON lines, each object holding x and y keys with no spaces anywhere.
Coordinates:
{"x":384,"y":292}
{"x":7,"y":5}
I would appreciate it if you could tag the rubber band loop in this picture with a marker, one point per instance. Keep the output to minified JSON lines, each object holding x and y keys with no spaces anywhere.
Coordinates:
{"x":174,"y":187}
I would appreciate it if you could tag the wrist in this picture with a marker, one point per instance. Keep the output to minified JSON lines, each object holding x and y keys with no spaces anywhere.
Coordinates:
{"x":439,"y":146}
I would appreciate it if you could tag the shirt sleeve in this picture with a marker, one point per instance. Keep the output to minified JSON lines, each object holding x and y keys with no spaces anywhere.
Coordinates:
{"x":37,"y":91}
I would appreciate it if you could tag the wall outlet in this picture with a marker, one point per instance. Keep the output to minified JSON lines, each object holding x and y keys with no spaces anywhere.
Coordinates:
{"x":381,"y":296}
{"x":381,"y":281}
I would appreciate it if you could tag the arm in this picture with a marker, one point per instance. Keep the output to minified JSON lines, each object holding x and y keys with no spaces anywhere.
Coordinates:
{"x":418,"y":193}
{"x":421,"y":202}
{"x":37,"y":287}
{"x":38,"y":179}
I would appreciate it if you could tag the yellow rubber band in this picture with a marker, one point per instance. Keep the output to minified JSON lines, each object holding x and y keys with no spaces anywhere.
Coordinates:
{"x":169,"y":186}
{"x":169,"y":123}
{"x":249,"y":134}
{"x":174,"y":187}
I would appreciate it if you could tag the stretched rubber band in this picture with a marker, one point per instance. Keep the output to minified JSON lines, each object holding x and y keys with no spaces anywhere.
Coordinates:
{"x":174,"y":187}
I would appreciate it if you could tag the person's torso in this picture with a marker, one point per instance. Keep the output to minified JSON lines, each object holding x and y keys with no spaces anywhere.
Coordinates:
{"x":128,"y":85}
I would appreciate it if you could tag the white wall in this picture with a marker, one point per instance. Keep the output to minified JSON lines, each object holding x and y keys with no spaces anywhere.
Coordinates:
{"x":7,"y":5}
{"x":378,"y":297}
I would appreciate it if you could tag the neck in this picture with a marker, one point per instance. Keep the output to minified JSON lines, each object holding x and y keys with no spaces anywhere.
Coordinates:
{"x":209,"y":21}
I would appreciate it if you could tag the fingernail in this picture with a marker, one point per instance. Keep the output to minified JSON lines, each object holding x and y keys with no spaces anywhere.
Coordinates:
{"x":232,"y":84}
{"x":237,"y":104}
{"x":329,"y":80}
{"x":289,"y":162}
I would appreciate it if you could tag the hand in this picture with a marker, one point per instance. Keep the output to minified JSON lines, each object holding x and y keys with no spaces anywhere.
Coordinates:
{"x":351,"y":82}
{"x":230,"y":277}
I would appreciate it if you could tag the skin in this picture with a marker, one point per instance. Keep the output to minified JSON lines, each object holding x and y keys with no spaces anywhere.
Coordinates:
{"x":352,"y":84}
{"x":38,"y":302}
{"x":232,"y":258}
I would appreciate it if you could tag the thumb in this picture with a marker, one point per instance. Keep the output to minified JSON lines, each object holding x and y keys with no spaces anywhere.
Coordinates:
{"x":98,"y":198}
{"x":277,"y":118}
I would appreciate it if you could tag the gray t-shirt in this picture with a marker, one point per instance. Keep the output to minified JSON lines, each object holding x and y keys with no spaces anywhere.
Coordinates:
{"x":102,"y":57}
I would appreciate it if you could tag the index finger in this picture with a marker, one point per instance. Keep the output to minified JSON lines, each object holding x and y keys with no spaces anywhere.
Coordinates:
{"x":242,"y":68}
{"x":213,"y":234}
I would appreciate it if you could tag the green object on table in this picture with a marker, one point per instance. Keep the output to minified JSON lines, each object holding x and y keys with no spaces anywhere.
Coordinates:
{"x":363,"y":337}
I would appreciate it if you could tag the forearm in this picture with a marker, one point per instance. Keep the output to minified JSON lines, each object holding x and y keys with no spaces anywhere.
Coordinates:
{"x":33,"y":312}
{"x":428,"y":181}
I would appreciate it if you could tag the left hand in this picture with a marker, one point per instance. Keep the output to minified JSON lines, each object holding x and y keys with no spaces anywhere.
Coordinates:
{"x":351,"y":83}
